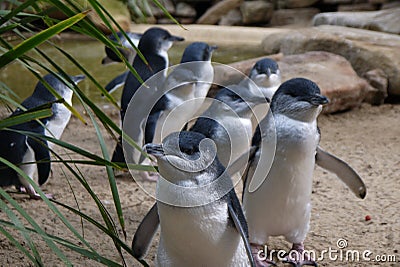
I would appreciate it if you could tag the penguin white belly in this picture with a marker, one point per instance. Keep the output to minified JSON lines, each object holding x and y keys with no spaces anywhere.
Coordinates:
{"x":285,"y":194}
{"x":230,"y":148}
{"x":56,"y":125}
{"x":28,"y":169}
{"x":199,"y":236}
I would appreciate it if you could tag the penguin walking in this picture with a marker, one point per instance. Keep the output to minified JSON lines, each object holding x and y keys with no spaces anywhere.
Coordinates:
{"x":266,"y":75}
{"x":31,"y":154}
{"x":280,"y":203}
{"x":153,"y":44}
{"x":180,"y":96}
{"x":193,"y":233}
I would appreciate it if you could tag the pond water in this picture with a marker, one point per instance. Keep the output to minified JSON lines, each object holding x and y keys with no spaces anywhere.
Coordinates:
{"x":89,"y":54}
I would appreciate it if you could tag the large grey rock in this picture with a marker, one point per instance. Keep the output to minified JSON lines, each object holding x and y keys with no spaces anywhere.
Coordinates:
{"x":379,"y":84}
{"x":365,"y":50}
{"x":299,"y":3}
{"x":157,"y":12}
{"x":299,"y":17}
{"x":185,"y":10}
{"x":214,"y":13}
{"x":256,"y":12}
{"x":357,"y":7}
{"x":232,"y":18}
{"x":387,"y":20}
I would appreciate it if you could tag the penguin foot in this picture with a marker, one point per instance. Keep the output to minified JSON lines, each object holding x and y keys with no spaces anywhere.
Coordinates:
{"x":298,"y":257}
{"x":259,"y":256}
{"x":32,"y":193}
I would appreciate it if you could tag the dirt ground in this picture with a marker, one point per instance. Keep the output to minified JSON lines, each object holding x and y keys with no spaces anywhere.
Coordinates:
{"x":367,"y":138}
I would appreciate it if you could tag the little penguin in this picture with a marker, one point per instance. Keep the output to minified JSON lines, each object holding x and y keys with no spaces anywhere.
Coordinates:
{"x":278,"y":202}
{"x":154,"y":45}
{"x":266,"y":75}
{"x":19,"y":149}
{"x":193,"y":233}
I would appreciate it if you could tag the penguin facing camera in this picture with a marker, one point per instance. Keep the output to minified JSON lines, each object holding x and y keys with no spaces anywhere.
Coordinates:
{"x":212,"y":234}
{"x":277,"y":202}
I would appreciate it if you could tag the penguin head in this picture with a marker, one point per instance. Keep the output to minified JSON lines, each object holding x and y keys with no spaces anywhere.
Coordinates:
{"x":157,"y":41}
{"x":198,"y":51}
{"x":127,"y":51}
{"x":266,"y":73}
{"x":186,"y":157}
{"x":299,"y":98}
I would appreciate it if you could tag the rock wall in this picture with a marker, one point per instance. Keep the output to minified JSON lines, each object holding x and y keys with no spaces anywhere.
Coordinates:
{"x":380,"y":15}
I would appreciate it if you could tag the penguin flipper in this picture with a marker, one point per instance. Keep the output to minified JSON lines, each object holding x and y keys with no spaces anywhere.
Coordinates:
{"x":343,"y":171}
{"x":118,"y":154}
{"x":237,"y":216}
{"x":145,"y":233}
{"x":42,"y":156}
{"x":117,"y":82}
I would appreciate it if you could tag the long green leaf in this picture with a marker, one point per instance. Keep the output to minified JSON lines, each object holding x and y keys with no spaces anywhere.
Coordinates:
{"x":19,"y":225}
{"x":68,"y":244}
{"x":27,"y":217}
{"x":25,"y":117}
{"x":16,"y":244}
{"x":51,"y":206}
{"x":111,"y":177}
{"x":39,"y":38}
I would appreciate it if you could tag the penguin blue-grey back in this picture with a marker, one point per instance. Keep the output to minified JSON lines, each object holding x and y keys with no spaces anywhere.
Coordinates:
{"x":19,"y":148}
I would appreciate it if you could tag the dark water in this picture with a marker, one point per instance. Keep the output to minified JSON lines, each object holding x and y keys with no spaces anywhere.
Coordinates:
{"x":89,"y":54}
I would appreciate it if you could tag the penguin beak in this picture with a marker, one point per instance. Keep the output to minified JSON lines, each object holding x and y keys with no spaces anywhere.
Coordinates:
{"x":154,"y":149}
{"x":318,"y":99}
{"x":174,"y":38}
{"x":213,"y":47}
{"x":77,"y":78}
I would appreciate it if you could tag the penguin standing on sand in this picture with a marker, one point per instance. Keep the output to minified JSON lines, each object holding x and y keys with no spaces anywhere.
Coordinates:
{"x":193,"y":232}
{"x":277,"y":202}
{"x":19,"y":149}
{"x":154,"y":44}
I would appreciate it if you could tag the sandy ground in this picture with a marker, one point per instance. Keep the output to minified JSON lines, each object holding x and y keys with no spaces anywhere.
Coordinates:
{"x":367,"y":138}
